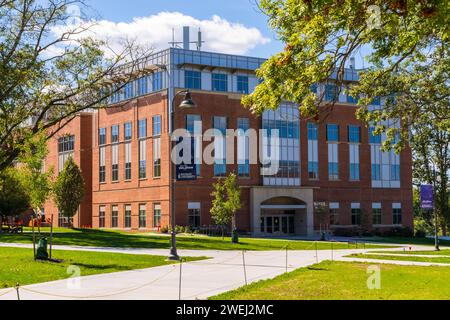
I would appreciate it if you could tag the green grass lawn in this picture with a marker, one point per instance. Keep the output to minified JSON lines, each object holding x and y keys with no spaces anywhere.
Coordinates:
{"x":431,"y":253}
{"x":18,"y":266}
{"x":346,"y":281}
{"x":405,"y":240}
{"x":436,"y":259}
{"x":109,"y":238}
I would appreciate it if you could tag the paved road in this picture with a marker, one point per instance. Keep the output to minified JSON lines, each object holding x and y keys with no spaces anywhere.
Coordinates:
{"x":200,"y":279}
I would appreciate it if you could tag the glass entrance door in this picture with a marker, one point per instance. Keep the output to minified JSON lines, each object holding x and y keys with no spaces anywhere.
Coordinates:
{"x":277,"y":224}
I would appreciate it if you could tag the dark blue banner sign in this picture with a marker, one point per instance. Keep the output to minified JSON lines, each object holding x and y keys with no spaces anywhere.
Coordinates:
{"x":426,"y":196}
{"x":186,"y":171}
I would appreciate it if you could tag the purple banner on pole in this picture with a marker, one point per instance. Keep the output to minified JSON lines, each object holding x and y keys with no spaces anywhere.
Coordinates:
{"x":426,"y":196}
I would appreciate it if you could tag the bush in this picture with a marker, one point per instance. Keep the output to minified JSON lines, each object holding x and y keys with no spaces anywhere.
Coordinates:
{"x":164,"y":229}
{"x":422,"y":228}
{"x":346,"y":232}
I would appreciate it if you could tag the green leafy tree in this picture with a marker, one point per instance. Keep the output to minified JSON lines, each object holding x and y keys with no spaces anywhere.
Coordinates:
{"x":431,"y":163}
{"x":69,"y":189}
{"x":226,"y":201}
{"x":51,"y":68}
{"x":14,"y":198}
{"x":406,"y":41}
{"x":37,"y":179}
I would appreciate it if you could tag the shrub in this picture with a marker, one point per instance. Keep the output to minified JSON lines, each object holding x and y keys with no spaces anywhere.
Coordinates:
{"x":164,"y":229}
{"x":422,"y":228}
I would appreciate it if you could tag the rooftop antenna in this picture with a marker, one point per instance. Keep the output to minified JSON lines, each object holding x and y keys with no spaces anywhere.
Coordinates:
{"x":199,"y":40}
{"x":173,"y":43}
{"x":185,"y":43}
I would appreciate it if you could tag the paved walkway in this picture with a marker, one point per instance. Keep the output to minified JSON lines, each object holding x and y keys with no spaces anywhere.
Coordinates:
{"x":200,"y":279}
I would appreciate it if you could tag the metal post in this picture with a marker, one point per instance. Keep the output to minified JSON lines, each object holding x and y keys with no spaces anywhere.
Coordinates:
{"x":317,"y":256}
{"x":243,"y":263}
{"x":286,"y":258}
{"x":17,"y":291}
{"x":34,"y":238}
{"x":51,"y":236}
{"x":173,"y":240}
{"x":179,"y":285}
{"x":332,"y":256}
{"x":436,"y":237}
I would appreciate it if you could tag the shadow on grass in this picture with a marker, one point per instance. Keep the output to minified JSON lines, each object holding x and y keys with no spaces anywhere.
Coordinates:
{"x":105,"y":238}
{"x":317,"y":269}
{"x":102,"y":267}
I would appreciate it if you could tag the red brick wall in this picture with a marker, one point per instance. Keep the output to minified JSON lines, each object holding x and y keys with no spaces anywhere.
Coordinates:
{"x":81,"y":128}
{"x":156,"y":190}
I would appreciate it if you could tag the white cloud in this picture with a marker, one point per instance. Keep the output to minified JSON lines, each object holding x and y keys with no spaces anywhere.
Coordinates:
{"x":155,"y":31}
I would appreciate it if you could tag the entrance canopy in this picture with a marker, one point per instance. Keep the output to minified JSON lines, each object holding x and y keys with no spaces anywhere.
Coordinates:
{"x":287,"y":203}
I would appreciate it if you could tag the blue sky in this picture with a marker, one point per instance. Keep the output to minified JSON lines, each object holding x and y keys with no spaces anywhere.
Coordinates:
{"x":233,"y":11}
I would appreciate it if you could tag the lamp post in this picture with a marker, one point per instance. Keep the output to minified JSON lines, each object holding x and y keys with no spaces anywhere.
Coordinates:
{"x":187,"y":103}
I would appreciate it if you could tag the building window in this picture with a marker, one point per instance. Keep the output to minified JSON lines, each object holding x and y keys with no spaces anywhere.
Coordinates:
{"x":142,"y":86}
{"x":351,"y":99}
{"x":220,"y":167}
{"x":142,"y":159}
{"x":192,"y":79}
{"x":194,"y":127}
{"x":102,"y":136}
{"x":354,"y":161}
{"x":66,"y":147}
{"x":66,"y":144}
{"x":242,"y":84}
{"x":354,"y":171}
{"x":354,"y":134}
{"x":332,"y":133}
{"x":313,"y":170}
{"x":376,"y":213}
{"x":157,"y":81}
{"x":128,"y":161}
{"x":395,"y":172}
{"x":102,"y":165}
{"x":142,"y":216}
{"x":313,"y":161}
{"x":376,"y":101}
{"x":312,"y":131}
{"x":376,"y":171}
{"x":285,"y":120}
{"x":115,"y":162}
{"x":64,"y":221}
{"x":194,"y":214}
{"x":356,"y":214}
{"x":114,"y":217}
{"x":142,"y":128}
{"x":157,"y":157}
{"x":330,"y":92}
{"x":156,"y":125}
{"x":333,"y":161}
{"x":129,"y":90}
{"x":127,"y":222}
{"x":219,"y":82}
{"x":334,"y":213}
{"x":128,"y":131}
{"x":397,"y":213}
{"x":243,"y":125}
{"x":101,"y":217}
{"x":374,"y":138}
{"x":333,"y":171}
{"x":156,"y":215}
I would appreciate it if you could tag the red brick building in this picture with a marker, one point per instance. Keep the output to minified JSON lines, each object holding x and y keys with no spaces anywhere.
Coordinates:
{"x":332,"y":174}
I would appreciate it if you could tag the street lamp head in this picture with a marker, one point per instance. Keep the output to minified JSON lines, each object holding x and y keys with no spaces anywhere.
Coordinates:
{"x":187,"y":102}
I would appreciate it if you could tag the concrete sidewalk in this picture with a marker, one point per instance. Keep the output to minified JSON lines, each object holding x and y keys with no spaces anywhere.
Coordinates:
{"x":200,"y":279}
